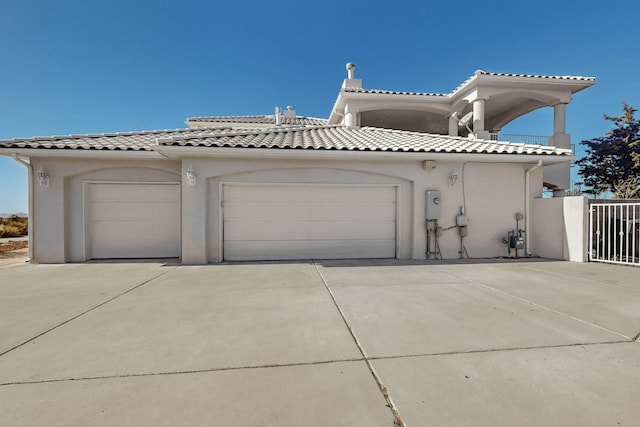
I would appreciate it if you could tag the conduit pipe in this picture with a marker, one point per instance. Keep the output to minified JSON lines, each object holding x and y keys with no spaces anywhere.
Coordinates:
{"x":527,"y":205}
{"x":30,"y":190}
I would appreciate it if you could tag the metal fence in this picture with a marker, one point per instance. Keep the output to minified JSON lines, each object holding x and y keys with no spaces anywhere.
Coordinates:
{"x":524,"y":139}
{"x":614,"y":234}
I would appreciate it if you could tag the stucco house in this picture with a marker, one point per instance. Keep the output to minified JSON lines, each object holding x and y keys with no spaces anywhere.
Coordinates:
{"x":388,"y":175}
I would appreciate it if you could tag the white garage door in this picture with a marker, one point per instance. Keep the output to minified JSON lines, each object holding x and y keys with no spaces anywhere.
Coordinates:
{"x":275,"y":222}
{"x":134,"y":220}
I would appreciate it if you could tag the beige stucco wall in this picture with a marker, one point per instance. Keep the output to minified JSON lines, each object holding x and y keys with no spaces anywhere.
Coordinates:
{"x":547,"y":229}
{"x":58,"y":217}
{"x":491,"y":192}
{"x":494,"y":193}
{"x":576,"y":220}
{"x":559,"y":228}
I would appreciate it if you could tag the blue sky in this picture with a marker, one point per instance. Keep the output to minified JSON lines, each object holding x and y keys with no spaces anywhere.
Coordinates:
{"x":95,"y":66}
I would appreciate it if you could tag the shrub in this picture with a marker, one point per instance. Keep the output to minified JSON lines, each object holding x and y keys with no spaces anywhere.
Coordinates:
{"x":14,"y":226}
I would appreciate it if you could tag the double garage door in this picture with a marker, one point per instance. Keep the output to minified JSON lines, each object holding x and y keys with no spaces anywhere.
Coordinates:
{"x":134,"y":220}
{"x":279,"y":222}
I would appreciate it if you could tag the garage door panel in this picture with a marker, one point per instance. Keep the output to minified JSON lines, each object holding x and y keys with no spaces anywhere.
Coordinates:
{"x":118,"y":210}
{"x":267,"y":209}
{"x":134,"y":220}
{"x":165,"y":211}
{"x":298,"y":192}
{"x":104,"y":231}
{"x":360,"y":230}
{"x":312,"y":209}
{"x":308,"y":221}
{"x":305,"y":230}
{"x":141,"y":192}
{"x":287,"y":250}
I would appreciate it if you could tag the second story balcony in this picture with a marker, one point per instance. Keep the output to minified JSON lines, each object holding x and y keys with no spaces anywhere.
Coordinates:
{"x":480,"y":108}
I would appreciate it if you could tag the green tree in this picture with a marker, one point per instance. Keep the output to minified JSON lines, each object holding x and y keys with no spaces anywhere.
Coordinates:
{"x":612,"y":162}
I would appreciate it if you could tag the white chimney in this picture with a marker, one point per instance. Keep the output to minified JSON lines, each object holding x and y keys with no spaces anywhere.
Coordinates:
{"x":289,"y":113}
{"x":350,"y":69}
{"x":351,"y":81}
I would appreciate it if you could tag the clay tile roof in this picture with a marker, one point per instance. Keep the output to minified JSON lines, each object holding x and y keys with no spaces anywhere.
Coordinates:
{"x":127,"y":141}
{"x":479,"y":72}
{"x":325,"y":137}
{"x":269,"y":120}
{"x":533,"y":76}
{"x":581,"y":78}
{"x":338,"y":137}
{"x":389,"y":92}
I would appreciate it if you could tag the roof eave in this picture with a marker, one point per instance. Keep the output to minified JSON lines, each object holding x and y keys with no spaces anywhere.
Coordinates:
{"x":177,"y":152}
{"x":572,"y":84}
{"x":83,"y":154}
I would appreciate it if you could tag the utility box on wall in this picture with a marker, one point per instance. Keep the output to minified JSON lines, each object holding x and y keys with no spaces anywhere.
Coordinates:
{"x":432,"y":205}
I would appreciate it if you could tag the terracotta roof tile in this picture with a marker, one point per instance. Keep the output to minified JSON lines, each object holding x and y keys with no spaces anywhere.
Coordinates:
{"x":479,"y":72}
{"x":535,"y":76}
{"x":269,"y":120}
{"x":129,"y":141}
{"x":365,"y":139}
{"x":390,"y":92}
{"x":327,"y":137}
{"x":581,"y":78}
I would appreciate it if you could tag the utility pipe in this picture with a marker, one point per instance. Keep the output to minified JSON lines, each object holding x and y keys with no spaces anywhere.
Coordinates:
{"x":527,"y":204}
{"x":30,"y":189}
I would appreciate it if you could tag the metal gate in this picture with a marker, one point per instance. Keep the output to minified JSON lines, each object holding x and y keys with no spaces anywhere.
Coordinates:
{"x":614,"y":234}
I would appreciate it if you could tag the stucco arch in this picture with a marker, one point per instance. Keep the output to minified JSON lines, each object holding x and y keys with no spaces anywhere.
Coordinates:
{"x":122,"y":172}
{"x":300,"y":172}
{"x":321,"y":173}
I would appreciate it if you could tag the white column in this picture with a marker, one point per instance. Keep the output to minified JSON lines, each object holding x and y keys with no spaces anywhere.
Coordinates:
{"x":350,"y":117}
{"x":453,"y":126}
{"x":478,"y":119}
{"x":560,"y":137}
{"x":559,"y":175}
{"x":350,"y":120}
{"x":559,"y":119}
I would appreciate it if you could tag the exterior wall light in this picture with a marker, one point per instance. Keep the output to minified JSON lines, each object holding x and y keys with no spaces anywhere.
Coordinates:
{"x":453,"y":178}
{"x":191,"y":176}
{"x":42,"y":177}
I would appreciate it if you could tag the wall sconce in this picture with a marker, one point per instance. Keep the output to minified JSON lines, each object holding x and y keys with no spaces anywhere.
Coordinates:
{"x":453,"y":178}
{"x":42,"y":177}
{"x":191,"y":176}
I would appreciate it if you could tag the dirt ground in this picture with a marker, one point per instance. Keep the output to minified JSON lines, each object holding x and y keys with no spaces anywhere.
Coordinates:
{"x":7,"y":248}
{"x":13,"y":252}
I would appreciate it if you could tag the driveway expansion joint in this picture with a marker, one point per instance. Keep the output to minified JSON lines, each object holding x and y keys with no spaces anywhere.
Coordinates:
{"x":554,"y":311}
{"x":544,"y":307}
{"x":398,"y":422}
{"x":85,"y":312}
{"x":187,"y":372}
{"x":586,"y":279}
{"x":497,"y":350}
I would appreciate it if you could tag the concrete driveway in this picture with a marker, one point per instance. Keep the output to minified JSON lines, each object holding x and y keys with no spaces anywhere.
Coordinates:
{"x":345,"y":343}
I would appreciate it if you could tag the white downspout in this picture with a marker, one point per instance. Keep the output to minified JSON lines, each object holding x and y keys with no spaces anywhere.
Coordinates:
{"x":30,"y":185}
{"x":527,"y":205}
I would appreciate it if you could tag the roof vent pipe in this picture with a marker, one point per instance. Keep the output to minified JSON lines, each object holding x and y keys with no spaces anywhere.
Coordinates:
{"x":350,"y":69}
{"x":278,"y":116}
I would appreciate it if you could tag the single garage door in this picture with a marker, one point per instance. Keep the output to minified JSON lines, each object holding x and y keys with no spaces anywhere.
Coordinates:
{"x":277,"y":222}
{"x":134,"y":220}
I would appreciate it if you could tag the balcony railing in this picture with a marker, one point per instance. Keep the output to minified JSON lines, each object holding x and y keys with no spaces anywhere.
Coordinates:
{"x":525,"y":139}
